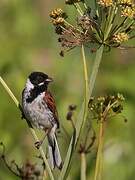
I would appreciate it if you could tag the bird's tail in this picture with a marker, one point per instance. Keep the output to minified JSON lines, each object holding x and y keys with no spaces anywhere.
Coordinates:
{"x":54,"y":153}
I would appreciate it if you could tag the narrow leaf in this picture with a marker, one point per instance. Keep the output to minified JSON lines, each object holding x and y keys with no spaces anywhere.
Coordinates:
{"x":80,"y":123}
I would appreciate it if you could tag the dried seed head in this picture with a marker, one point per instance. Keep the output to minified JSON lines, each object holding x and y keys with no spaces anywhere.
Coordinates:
{"x":85,"y":22}
{"x":102,"y":107}
{"x":125,"y":2}
{"x":120,"y":37}
{"x":72,"y":107}
{"x":70,"y":38}
{"x":58,"y":30}
{"x":58,"y":13}
{"x":69,"y":115}
{"x":58,"y":21}
{"x":128,"y":11}
{"x":105,"y":3}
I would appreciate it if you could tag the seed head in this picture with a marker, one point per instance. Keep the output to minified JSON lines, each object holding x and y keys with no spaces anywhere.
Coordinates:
{"x":110,"y":24}
{"x":125,"y":2}
{"x":58,"y":30}
{"x":58,"y":21}
{"x":128,"y":11}
{"x":120,"y":37}
{"x":58,"y":12}
{"x":105,"y":3}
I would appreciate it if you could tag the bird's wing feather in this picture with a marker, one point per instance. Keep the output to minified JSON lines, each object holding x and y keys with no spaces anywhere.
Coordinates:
{"x":51,"y":105}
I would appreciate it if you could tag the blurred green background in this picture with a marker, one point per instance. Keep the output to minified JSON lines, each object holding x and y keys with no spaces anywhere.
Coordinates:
{"x":28,"y":43}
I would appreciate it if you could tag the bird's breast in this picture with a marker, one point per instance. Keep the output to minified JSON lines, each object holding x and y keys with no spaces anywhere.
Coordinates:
{"x":38,"y":113}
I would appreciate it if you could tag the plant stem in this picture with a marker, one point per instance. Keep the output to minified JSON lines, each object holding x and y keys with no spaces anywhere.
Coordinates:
{"x":75,"y":136}
{"x":99,"y":152}
{"x":109,"y":22}
{"x":95,"y":69}
{"x":78,"y":9}
{"x":86,"y":86}
{"x":83,"y":166}
{"x":9,"y":92}
{"x":83,"y":158}
{"x":31,"y":129}
{"x":80,"y":120}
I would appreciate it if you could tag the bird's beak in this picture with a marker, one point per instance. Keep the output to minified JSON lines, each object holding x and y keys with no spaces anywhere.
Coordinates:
{"x":49,"y":80}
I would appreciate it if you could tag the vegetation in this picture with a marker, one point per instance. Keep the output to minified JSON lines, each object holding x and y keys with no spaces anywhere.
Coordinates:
{"x":97,"y":42}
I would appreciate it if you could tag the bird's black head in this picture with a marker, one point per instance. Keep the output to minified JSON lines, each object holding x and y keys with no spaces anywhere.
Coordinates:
{"x":39,"y":79}
{"x":36,"y":84}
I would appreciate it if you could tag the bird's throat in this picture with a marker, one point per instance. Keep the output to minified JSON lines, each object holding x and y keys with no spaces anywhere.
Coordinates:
{"x":37,"y":90}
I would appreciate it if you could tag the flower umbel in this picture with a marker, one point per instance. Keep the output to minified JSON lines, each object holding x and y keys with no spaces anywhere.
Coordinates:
{"x":106,"y":106}
{"x":102,"y":26}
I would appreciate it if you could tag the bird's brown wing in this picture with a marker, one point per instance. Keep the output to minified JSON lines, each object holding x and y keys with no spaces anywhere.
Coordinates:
{"x":51,"y":105}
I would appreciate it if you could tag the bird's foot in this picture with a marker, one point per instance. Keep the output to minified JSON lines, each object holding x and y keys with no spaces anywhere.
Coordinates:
{"x":38,"y":144}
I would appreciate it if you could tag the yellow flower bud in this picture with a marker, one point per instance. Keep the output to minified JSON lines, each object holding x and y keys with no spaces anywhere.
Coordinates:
{"x":105,"y":3}
{"x":128,"y":11}
{"x":120,"y":37}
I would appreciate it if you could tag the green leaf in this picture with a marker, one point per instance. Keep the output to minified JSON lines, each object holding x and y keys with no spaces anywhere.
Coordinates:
{"x":80,"y":121}
{"x":67,"y":160}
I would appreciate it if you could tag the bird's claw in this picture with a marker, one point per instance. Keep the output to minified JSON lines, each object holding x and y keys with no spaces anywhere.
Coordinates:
{"x":38,"y":144}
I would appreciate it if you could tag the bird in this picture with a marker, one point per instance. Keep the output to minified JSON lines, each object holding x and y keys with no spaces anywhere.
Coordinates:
{"x":39,"y":109}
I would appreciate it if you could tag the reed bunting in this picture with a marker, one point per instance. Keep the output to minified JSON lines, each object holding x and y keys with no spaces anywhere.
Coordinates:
{"x":39,"y":108}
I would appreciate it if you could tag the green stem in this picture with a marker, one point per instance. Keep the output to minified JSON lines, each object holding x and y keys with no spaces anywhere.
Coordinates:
{"x":80,"y":120}
{"x":77,"y":131}
{"x":99,"y":152}
{"x":78,"y":9}
{"x":85,"y":5}
{"x":83,"y":166}
{"x":95,"y":69}
{"x":9,"y":92}
{"x":86,"y":86}
{"x":109,"y":22}
{"x":31,"y":129}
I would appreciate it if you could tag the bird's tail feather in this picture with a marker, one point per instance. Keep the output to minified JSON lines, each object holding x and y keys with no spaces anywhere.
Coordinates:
{"x":54,"y":153}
